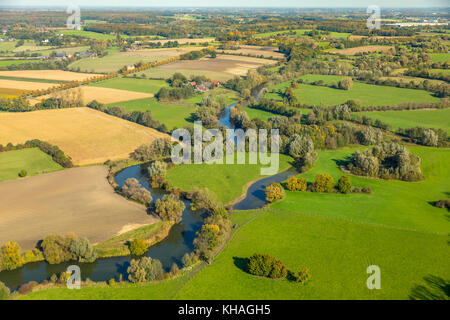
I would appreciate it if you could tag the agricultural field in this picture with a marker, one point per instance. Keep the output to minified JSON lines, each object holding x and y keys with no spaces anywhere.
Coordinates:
{"x":133,"y":84}
{"x":216,"y":177}
{"x":266,"y":52}
{"x":114,"y":61}
{"x":86,"y":135}
{"x":413,"y":118}
{"x":6,"y":46}
{"x":25,"y":85}
{"x":222,"y":68}
{"x":5,"y":63}
{"x":440,"y":57}
{"x":103,"y":95}
{"x":184,"y":41}
{"x":84,"y":203}
{"x":368,"y":94}
{"x":33,"y":160}
{"x":10,"y":93}
{"x":356,"y":50}
{"x":48,"y":74}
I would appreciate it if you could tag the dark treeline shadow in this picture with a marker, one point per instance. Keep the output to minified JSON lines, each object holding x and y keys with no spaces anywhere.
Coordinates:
{"x":435,"y":288}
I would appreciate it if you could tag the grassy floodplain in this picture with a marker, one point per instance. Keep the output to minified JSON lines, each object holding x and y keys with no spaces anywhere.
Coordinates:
{"x":33,"y":160}
{"x":413,"y":118}
{"x":132,"y":84}
{"x":368,"y":94}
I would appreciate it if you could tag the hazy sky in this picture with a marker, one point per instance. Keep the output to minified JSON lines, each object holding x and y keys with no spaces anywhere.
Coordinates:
{"x":234,"y":3}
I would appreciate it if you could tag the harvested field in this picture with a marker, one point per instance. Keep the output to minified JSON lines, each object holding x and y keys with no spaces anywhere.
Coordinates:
{"x":48,"y":74}
{"x":266,"y":52}
{"x":184,"y":40}
{"x":352,"y":51}
{"x":10,"y":93}
{"x":24,"y":85}
{"x":221,"y":68}
{"x":86,"y":135}
{"x":78,"y":200}
{"x":103,"y":95}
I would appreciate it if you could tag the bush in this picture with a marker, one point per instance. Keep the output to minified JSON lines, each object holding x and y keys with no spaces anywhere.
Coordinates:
{"x":170,"y":208}
{"x":4,"y":291}
{"x":265,"y":265}
{"x":302,"y":276}
{"x":274,"y":192}
{"x":189,"y":259}
{"x":138,"y":247}
{"x":444,"y":204}
{"x":344,"y":184}
{"x":10,"y":257}
{"x":157,"y":168}
{"x":324,"y":183}
{"x":296,"y":184}
{"x":23,"y":173}
{"x":27,"y":287}
{"x":367,"y":190}
{"x":345,"y":84}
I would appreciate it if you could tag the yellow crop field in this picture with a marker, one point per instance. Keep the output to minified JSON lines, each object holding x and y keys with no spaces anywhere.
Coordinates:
{"x":49,"y":74}
{"x":86,"y":135}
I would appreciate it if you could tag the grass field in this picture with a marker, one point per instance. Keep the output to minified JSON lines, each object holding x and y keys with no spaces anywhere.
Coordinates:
{"x":169,"y":114}
{"x":413,"y":118}
{"x":368,"y":94}
{"x":440,"y":57}
{"x":445,"y":72}
{"x":76,"y":200}
{"x":7,"y":45}
{"x":5,"y":63}
{"x":259,"y":114}
{"x":33,"y":160}
{"x":217,"y":178}
{"x":86,"y":135}
{"x":131,"y":84}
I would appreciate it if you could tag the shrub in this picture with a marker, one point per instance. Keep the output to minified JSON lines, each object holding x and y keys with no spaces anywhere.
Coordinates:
{"x":367,"y":190}
{"x":344,"y":184}
{"x":27,"y":287}
{"x":159,"y":148}
{"x":444,"y":204}
{"x":299,"y":146}
{"x":112,"y":281}
{"x":302,"y":276}
{"x":4,"y":291}
{"x":23,"y":173}
{"x":274,"y":192}
{"x":345,"y":84}
{"x":174,"y":270}
{"x":296,"y":184}
{"x":265,"y":265}
{"x":10,"y":257}
{"x":324,"y":183}
{"x":189,"y":259}
{"x":429,"y":138}
{"x":138,"y":247}
{"x":170,"y":208}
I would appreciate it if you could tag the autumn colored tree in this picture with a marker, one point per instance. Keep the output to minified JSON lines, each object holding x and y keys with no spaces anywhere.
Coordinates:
{"x":296,"y":184}
{"x":274,"y":192}
{"x":324,"y":183}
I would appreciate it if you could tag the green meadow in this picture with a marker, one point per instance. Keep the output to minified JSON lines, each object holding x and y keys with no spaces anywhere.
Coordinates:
{"x":440,"y":57}
{"x":412,"y":118}
{"x":33,"y":160}
{"x":368,"y":94}
{"x":171,"y":115}
{"x":132,"y":84}
{"x":220,"y":177}
{"x":5,"y":63}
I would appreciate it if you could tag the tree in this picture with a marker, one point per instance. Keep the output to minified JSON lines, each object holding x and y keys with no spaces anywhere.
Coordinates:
{"x":83,"y":251}
{"x":157,"y":169}
{"x":170,"y":208}
{"x":138,"y":247}
{"x":299,"y":146}
{"x":344,"y":184}
{"x":4,"y":291}
{"x":371,"y":136}
{"x":10,"y":257}
{"x":132,"y":189}
{"x":429,"y":138}
{"x":296,"y":184}
{"x":207,"y":240}
{"x":324,"y":183}
{"x":159,"y":148}
{"x":345,"y":84}
{"x":56,"y":248}
{"x":274,"y":192}
{"x":265,"y":265}
{"x":145,"y":269}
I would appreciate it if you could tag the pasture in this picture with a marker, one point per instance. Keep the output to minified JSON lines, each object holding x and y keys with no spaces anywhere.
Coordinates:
{"x":440,"y":57}
{"x":367,"y":94}
{"x":413,"y":118}
{"x":133,"y":84}
{"x":83,"y":202}
{"x":220,"y":177}
{"x":48,"y":74}
{"x":87,"y":136}
{"x":33,"y":160}
{"x":103,"y":95}
{"x":6,"y":63}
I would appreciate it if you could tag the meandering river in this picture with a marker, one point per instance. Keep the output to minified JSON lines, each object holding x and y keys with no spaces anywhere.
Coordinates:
{"x":168,"y":251}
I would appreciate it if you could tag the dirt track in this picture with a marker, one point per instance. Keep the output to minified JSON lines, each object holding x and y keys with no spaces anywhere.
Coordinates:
{"x":76,"y":200}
